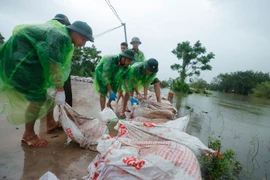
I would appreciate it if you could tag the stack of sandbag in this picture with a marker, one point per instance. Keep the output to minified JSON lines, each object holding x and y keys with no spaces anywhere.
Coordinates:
{"x":171,"y":131}
{"x":133,"y":160}
{"x":154,"y":111}
{"x":83,"y":130}
{"x":83,"y":79}
{"x":145,"y":150}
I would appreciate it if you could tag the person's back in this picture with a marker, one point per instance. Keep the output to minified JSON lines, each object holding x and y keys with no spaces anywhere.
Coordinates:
{"x":140,"y":78}
{"x":31,"y":48}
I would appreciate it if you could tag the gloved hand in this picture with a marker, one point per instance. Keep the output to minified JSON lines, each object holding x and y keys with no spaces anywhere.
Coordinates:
{"x":60,"y":97}
{"x":134,"y":101}
{"x":112,"y":96}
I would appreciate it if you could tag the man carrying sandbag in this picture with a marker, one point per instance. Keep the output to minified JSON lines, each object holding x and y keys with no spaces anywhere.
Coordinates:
{"x":141,"y":76}
{"x":109,"y":75}
{"x":33,"y":60}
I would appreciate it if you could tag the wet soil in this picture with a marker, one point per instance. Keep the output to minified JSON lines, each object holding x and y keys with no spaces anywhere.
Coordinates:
{"x":19,"y":161}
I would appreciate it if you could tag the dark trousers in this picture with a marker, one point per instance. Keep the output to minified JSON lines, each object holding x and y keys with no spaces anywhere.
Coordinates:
{"x":68,"y":91}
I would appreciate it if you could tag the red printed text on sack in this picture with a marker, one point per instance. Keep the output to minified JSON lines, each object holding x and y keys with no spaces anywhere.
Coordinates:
{"x":149,"y":124}
{"x":132,"y":161}
{"x":69,"y":133}
{"x":122,"y":130}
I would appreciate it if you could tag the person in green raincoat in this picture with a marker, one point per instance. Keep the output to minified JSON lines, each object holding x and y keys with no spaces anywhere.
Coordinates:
{"x":34,"y":60}
{"x":141,"y":75}
{"x":123,"y":46}
{"x":139,"y":55}
{"x":109,"y":75}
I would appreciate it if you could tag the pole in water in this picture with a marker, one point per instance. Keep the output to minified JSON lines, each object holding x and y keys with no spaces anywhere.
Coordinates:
{"x":124,"y":24}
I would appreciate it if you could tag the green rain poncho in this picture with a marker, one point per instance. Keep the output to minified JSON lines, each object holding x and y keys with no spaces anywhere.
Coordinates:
{"x":139,"y":77}
{"x":108,"y":71}
{"x":34,"y":59}
{"x":139,"y":57}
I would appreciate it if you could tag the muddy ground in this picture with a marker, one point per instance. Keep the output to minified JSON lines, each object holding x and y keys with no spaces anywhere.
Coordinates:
{"x":19,"y":161}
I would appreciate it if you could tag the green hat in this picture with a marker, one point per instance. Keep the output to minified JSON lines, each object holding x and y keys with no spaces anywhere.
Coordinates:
{"x":135,"y":39}
{"x":151,"y":65}
{"x":82,"y":28}
{"x":62,"y":19}
{"x":128,"y":54}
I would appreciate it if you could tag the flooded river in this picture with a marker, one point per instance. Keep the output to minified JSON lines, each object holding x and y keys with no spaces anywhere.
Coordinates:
{"x":242,"y":123}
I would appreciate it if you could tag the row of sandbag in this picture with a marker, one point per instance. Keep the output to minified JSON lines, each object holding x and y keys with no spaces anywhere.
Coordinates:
{"x":148,"y":151}
{"x":149,"y":145}
{"x":83,"y":79}
{"x":145,"y":148}
{"x":87,"y":130}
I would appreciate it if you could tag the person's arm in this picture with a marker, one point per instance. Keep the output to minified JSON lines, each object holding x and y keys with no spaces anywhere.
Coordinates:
{"x":142,"y":57}
{"x":106,"y":76}
{"x":126,"y":99}
{"x":107,"y":72}
{"x":109,"y":87}
{"x":137,"y":92}
{"x":145,"y":92}
{"x":157,"y":91}
{"x":56,"y":75}
{"x":54,"y":49}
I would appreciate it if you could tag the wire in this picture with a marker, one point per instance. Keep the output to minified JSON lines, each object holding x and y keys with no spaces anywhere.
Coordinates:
{"x":113,"y":10}
{"x":109,"y":30}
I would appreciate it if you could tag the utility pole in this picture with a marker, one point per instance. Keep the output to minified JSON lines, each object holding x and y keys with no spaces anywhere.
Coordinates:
{"x":124,"y":24}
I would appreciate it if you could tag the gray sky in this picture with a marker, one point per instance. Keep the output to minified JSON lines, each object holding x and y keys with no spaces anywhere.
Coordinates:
{"x":236,"y":31}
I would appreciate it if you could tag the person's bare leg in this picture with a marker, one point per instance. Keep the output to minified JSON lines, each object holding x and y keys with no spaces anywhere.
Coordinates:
{"x":29,"y":129}
{"x":51,"y":123}
{"x":120,"y":94}
{"x":109,"y":104}
{"x":31,"y":115}
{"x":157,"y":91}
{"x":29,"y":134}
{"x":102,"y":100}
{"x":126,"y":98}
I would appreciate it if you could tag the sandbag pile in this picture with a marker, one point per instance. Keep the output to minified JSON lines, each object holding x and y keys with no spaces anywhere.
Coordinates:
{"x":83,"y":79}
{"x":83,"y":130}
{"x":150,"y":144}
{"x":144,"y":150}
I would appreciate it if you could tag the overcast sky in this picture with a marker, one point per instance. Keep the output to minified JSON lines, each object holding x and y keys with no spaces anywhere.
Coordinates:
{"x":236,"y":31}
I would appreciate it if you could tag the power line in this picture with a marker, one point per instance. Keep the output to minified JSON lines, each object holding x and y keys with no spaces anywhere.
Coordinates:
{"x":113,"y":10}
{"x":106,"y":32}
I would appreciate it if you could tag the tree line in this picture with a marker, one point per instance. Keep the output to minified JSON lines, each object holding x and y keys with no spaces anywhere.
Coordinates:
{"x":240,"y":82}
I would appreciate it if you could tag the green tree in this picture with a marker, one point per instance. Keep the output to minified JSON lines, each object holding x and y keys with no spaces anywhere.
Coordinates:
{"x":194,"y":59}
{"x":176,"y":85}
{"x":1,"y":39}
{"x":262,"y":90}
{"x":84,"y":61}
{"x":198,"y":83}
{"x":240,"y":82}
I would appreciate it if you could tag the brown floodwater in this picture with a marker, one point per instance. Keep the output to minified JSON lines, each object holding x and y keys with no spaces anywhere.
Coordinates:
{"x":242,"y":123}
